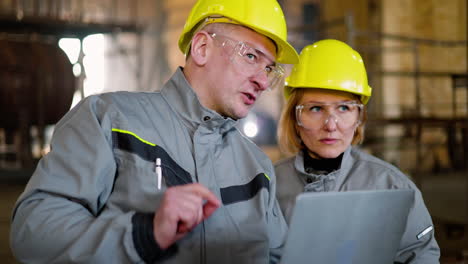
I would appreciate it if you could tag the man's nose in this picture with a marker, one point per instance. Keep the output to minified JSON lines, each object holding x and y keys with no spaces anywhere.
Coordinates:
{"x":261,"y":78}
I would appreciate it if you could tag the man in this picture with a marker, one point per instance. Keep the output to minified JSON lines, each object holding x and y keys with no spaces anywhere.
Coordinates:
{"x":166,"y":177}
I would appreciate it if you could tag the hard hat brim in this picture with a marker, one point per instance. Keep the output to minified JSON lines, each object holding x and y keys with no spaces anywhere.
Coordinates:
{"x":286,"y":53}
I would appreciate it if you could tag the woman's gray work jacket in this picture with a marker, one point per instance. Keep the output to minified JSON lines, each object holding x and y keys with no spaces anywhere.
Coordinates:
{"x":361,"y":171}
{"x":78,"y":205}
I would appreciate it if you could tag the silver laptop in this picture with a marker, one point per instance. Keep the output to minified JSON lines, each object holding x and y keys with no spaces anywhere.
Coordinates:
{"x":353,"y":227}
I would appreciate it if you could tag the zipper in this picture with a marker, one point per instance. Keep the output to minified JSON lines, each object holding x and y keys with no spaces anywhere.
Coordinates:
{"x":203,"y":245}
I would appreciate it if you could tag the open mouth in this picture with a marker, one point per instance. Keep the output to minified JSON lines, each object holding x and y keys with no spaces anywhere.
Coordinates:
{"x":249,"y":98}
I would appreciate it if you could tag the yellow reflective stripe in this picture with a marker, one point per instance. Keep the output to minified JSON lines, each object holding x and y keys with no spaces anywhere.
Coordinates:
{"x":267,"y":176}
{"x":133,"y":134}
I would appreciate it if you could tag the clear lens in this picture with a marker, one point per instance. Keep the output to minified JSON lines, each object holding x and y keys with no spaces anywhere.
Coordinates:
{"x":252,"y":61}
{"x":346,"y":114}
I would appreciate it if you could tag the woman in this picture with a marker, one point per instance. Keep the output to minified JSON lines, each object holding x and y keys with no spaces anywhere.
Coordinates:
{"x":322,"y":122}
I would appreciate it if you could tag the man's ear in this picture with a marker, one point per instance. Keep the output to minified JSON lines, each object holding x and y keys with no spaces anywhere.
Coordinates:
{"x":200,"y":48}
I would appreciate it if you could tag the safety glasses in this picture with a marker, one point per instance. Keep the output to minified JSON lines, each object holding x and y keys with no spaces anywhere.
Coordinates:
{"x":249,"y":60}
{"x":345,"y":114}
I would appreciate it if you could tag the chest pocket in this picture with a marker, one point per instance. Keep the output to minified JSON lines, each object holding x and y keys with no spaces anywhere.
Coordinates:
{"x":130,"y":142}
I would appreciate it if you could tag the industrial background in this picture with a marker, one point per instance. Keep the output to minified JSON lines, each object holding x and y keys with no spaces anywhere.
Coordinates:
{"x":55,"y":52}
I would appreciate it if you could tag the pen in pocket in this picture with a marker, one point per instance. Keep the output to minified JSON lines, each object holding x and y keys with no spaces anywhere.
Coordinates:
{"x":159,"y":172}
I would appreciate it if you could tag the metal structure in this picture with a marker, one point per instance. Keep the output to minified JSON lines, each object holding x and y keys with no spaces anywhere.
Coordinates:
{"x":456,"y":125}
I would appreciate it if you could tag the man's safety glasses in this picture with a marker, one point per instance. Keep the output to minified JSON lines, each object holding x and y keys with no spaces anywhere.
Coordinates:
{"x":251,"y":61}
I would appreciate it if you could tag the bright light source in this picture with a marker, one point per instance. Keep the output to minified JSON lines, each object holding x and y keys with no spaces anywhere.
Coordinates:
{"x":94,"y":47}
{"x":250,"y":129}
{"x":94,"y":44}
{"x":71,"y":47}
{"x":76,"y":69}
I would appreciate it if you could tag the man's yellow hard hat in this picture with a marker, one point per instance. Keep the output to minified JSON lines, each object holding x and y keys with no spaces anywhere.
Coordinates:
{"x":330,"y":64}
{"x":263,"y":16}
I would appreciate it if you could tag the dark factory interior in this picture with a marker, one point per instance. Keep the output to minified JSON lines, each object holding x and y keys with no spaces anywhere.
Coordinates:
{"x":57,"y":52}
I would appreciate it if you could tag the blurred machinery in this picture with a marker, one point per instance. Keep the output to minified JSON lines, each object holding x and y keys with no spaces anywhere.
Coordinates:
{"x":36,"y":89}
{"x":36,"y":77}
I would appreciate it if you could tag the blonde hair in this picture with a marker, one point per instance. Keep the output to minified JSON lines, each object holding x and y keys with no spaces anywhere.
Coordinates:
{"x":289,"y":140}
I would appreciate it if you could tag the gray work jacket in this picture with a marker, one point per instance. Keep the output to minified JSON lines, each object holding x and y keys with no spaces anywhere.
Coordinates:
{"x":79,"y":204}
{"x":361,"y":171}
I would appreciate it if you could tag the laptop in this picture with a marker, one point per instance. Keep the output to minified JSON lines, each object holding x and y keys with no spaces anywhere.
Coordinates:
{"x":352,"y":227}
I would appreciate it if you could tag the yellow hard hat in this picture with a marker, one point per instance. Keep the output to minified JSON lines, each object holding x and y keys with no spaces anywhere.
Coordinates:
{"x":263,"y":16}
{"x":330,"y":64}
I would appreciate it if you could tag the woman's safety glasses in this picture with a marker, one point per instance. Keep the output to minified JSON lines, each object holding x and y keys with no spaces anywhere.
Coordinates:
{"x":252,"y":61}
{"x":313,"y":115}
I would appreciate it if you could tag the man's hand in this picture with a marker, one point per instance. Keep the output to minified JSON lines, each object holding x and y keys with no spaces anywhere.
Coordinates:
{"x":182,"y":208}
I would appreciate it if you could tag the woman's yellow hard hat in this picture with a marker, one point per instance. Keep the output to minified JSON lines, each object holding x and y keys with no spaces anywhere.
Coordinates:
{"x":330,"y":64}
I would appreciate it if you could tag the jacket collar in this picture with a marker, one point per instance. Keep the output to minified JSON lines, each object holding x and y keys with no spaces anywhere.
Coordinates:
{"x":184,"y":101}
{"x":323,"y":166}
{"x":346,"y":164}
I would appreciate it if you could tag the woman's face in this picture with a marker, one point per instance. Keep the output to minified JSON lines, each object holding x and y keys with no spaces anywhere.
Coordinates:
{"x":327,"y":127}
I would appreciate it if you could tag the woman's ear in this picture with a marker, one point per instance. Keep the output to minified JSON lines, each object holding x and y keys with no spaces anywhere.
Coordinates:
{"x":200,"y":48}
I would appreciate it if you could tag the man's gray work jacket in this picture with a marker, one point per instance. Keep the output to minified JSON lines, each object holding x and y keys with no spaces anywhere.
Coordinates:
{"x":361,"y":171}
{"x":80,"y":203}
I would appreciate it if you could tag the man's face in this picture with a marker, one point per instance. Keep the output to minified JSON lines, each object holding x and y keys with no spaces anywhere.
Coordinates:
{"x":234,"y":85}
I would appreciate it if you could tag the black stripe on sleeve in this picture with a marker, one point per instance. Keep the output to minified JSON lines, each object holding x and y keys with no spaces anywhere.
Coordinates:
{"x":143,"y":239}
{"x":239,"y":193}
